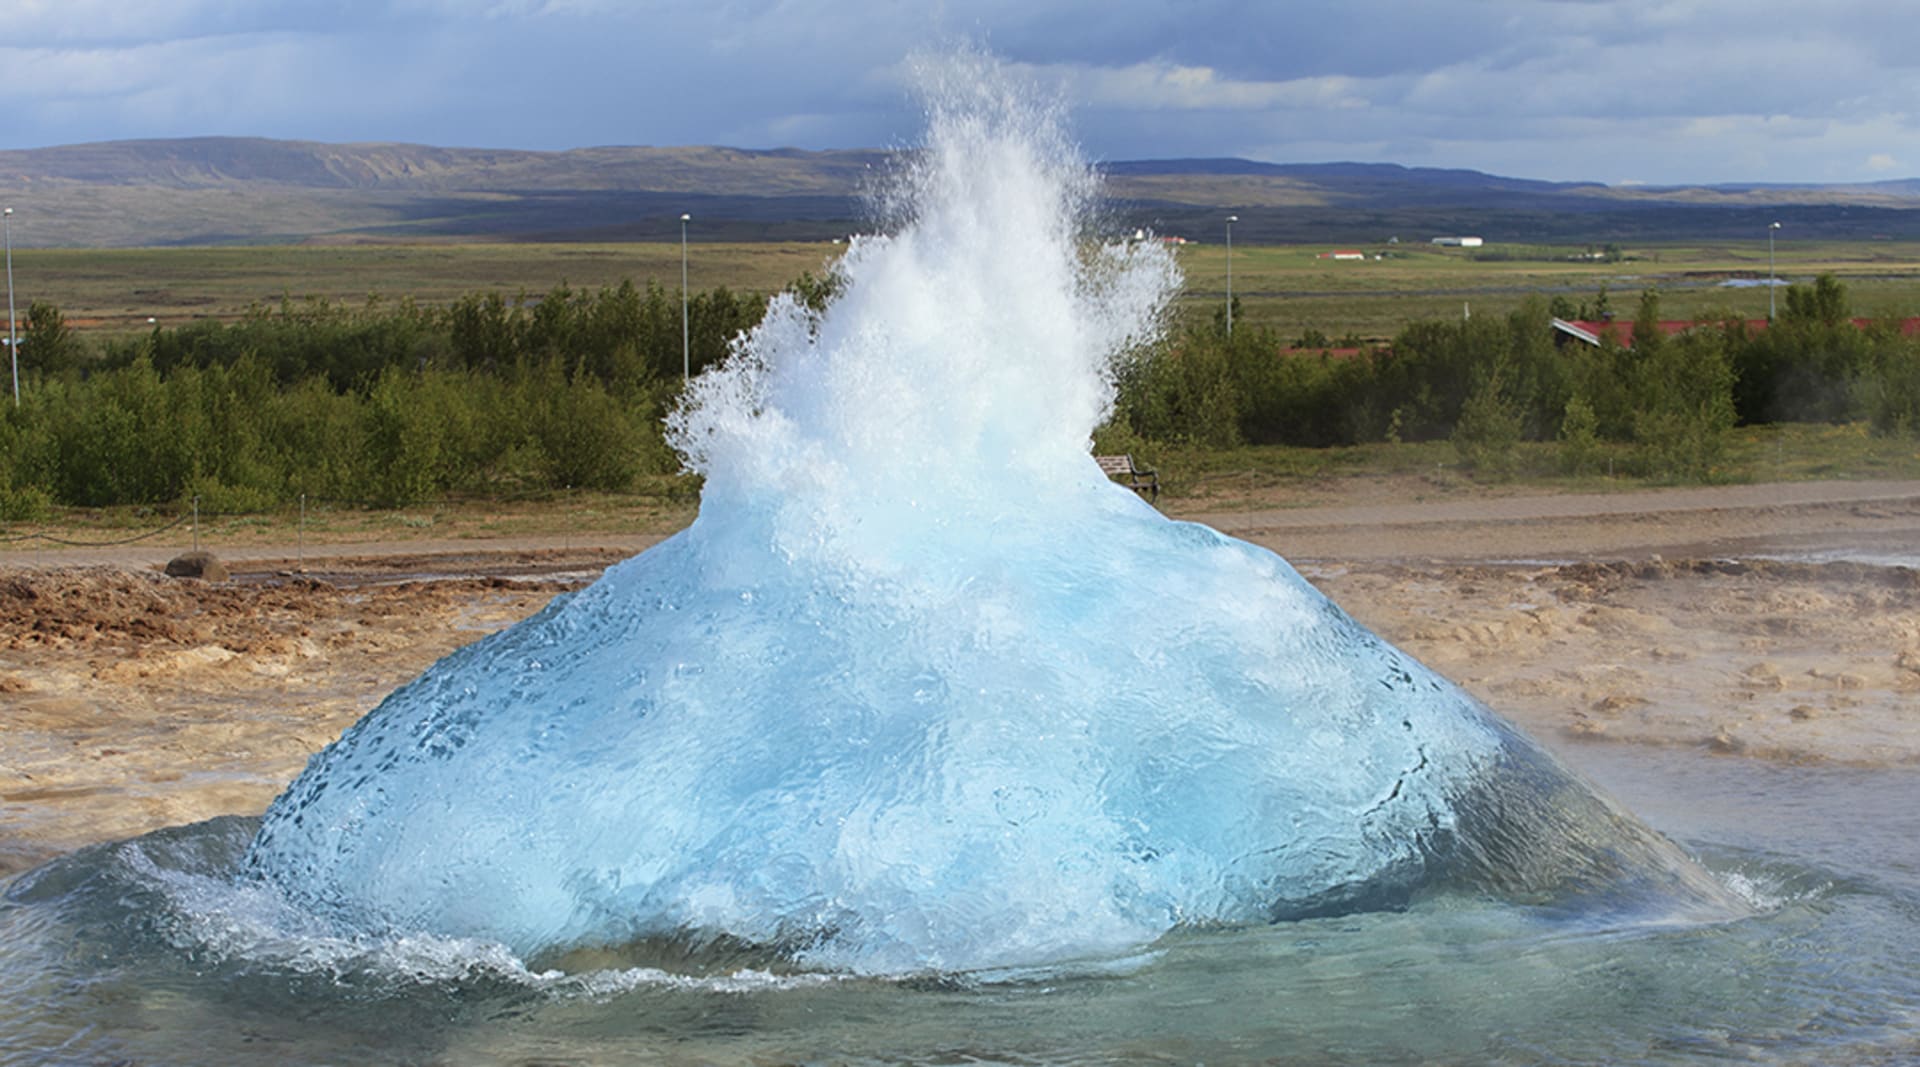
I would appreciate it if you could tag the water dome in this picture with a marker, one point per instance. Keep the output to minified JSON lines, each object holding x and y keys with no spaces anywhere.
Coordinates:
{"x":920,"y":689}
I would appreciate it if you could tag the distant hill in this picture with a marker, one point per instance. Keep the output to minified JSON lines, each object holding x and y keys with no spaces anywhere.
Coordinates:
{"x":222,"y":190}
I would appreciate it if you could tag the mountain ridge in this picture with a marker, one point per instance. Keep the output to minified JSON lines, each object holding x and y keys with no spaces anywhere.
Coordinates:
{"x":229,"y":190}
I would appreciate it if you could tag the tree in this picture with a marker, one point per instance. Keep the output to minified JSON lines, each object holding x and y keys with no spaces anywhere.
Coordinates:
{"x":1580,"y":448}
{"x":1488,"y":429}
{"x":47,"y":344}
{"x":485,"y":331}
{"x":1684,"y":406}
{"x":1648,"y":338}
{"x":1808,"y":366}
{"x":1824,"y":303}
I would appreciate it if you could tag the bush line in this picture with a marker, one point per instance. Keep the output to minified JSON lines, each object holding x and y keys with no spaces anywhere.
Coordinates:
{"x":396,"y":404}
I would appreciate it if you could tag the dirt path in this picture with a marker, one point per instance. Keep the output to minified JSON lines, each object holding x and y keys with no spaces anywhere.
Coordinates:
{"x":1866,"y":519}
{"x":486,"y":554}
{"x":1857,"y":517}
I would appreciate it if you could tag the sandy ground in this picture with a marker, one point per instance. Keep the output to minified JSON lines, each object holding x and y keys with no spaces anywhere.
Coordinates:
{"x":1739,"y":620}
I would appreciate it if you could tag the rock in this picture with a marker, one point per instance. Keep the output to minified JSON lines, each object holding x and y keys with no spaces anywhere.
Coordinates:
{"x":1838,"y":679}
{"x":1624,"y":621}
{"x":1615,"y":703}
{"x":1764,"y":675}
{"x":1724,"y":742}
{"x":202,"y":565}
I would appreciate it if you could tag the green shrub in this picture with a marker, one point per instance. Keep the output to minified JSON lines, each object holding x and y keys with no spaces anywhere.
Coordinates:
{"x":219,"y":498}
{"x":584,"y":437}
{"x":1891,"y":395}
{"x":1184,"y":392}
{"x":1580,"y":448}
{"x":401,"y":450}
{"x":1488,"y":432}
{"x":1684,"y":407}
{"x":23,"y":503}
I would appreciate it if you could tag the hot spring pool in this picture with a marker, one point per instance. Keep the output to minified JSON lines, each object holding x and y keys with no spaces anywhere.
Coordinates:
{"x":142,"y":952}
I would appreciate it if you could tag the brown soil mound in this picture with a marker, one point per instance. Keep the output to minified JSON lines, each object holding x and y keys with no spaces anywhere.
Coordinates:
{"x":1787,"y":661}
{"x":136,"y":701}
{"x":142,"y":612}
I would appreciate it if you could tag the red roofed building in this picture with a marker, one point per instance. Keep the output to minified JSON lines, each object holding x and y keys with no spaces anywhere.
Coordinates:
{"x":1621,"y":331}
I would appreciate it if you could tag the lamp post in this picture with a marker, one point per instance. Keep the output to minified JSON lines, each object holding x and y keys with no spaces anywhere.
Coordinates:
{"x":1231,"y":219}
{"x":13,"y":335}
{"x":1771,"y":282}
{"x":686,"y":350}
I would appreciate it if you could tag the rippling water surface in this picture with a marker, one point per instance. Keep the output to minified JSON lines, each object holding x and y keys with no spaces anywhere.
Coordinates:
{"x":146,"y":952}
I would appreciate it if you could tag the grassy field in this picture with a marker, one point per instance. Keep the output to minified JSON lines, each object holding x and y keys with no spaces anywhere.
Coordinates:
{"x":1226,"y":480}
{"x":1291,"y":289}
{"x":1286,"y":287}
{"x":118,"y":290}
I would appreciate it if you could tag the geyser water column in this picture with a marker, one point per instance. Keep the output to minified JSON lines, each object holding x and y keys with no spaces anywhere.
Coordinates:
{"x":920,"y":689}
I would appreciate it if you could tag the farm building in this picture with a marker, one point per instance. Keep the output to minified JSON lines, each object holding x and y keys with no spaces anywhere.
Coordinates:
{"x":1459,"y":242}
{"x":1621,"y":332}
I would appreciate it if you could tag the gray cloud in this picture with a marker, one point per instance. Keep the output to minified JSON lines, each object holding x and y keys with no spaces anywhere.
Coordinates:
{"x":1681,"y":90}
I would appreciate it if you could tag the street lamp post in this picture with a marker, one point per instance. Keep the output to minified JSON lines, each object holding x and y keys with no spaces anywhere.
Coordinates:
{"x":686,"y":350}
{"x":1771,"y":281}
{"x":13,"y":335}
{"x":1231,"y":219}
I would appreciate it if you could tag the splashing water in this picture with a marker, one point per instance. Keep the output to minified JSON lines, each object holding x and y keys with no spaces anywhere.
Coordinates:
{"x":920,"y":688}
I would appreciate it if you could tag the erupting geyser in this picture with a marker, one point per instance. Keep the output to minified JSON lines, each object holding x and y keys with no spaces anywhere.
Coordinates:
{"x":920,"y":689}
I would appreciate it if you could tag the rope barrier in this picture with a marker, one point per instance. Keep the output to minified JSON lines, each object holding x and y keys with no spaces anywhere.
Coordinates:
{"x":158,"y":530}
{"x":1245,"y":477}
{"x":305,"y":504}
{"x":98,"y":544}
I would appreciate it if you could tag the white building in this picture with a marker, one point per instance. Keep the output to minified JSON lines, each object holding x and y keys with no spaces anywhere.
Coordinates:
{"x":1458,"y":242}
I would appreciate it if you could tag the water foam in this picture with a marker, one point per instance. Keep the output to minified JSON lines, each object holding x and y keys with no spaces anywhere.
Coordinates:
{"x":955,"y":382}
{"x":919,"y":688}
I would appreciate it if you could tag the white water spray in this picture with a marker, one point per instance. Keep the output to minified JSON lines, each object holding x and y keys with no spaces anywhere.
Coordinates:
{"x":958,"y":378}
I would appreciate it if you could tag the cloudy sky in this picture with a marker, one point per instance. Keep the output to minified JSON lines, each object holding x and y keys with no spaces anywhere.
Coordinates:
{"x":1619,"y":91}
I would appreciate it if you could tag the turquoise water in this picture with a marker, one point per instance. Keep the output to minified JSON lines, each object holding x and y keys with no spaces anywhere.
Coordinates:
{"x":920,"y":687}
{"x":144,"y":952}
